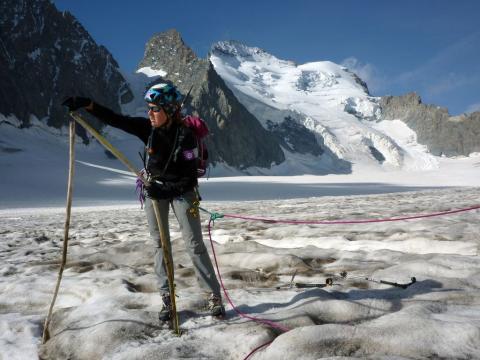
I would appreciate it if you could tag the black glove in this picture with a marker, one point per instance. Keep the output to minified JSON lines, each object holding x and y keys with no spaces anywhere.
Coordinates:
{"x":156,"y":191}
{"x":167,"y":190}
{"x":76,"y":102}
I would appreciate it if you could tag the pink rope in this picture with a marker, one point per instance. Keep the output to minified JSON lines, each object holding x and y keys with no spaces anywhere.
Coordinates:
{"x":241,"y":314}
{"x":327,"y":222}
{"x":257,"y":348}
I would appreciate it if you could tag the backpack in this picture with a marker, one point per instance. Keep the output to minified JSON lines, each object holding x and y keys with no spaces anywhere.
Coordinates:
{"x":200,"y":131}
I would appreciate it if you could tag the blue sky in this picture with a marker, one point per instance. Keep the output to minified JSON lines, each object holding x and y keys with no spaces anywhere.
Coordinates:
{"x":428,"y":46}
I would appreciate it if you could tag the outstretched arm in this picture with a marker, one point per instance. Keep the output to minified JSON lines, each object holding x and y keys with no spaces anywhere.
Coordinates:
{"x":138,"y":126}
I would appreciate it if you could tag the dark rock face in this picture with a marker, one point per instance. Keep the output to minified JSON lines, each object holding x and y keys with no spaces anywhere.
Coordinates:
{"x":377,"y":154}
{"x":45,"y":56}
{"x":441,"y":133}
{"x":236,"y":135}
{"x":295,"y":137}
{"x":359,"y":81}
{"x":168,"y":52}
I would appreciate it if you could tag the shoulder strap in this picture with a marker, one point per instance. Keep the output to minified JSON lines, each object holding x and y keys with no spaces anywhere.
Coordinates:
{"x":172,"y":152}
{"x":178,"y":146}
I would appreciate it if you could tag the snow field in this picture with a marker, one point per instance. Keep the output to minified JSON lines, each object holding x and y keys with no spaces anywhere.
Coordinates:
{"x":108,"y":302}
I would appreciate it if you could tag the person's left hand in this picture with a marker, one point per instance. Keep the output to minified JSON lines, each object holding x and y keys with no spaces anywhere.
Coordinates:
{"x":74,"y":103}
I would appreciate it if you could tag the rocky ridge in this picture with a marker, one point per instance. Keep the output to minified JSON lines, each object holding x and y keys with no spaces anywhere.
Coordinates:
{"x":47,"y":55}
{"x":442,"y":133}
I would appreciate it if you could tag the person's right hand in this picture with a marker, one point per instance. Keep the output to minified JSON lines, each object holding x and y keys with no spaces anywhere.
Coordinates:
{"x":156,"y":191}
{"x":76,"y":102}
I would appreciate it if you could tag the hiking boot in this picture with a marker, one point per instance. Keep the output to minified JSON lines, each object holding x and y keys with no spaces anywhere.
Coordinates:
{"x":215,"y":306}
{"x":166,"y":312}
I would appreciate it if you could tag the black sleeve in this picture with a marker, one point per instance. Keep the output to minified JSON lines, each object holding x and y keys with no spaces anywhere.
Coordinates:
{"x":138,"y":126}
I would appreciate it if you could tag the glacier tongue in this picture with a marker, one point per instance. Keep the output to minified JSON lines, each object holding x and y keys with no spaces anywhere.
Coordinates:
{"x":327,"y":99}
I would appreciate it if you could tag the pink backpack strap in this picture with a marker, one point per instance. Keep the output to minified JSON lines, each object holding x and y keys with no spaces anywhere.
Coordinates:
{"x":198,"y":126}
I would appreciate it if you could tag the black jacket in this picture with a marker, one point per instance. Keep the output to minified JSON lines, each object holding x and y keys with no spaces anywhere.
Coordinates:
{"x":177,"y":143}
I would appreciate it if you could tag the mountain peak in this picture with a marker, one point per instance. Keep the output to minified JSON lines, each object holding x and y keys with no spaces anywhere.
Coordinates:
{"x":236,"y":48}
{"x":275,"y":81}
{"x":243,"y":52}
{"x":165,"y":47}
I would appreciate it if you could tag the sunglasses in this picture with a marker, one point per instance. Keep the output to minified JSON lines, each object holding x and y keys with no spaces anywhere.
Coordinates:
{"x":155,"y":109}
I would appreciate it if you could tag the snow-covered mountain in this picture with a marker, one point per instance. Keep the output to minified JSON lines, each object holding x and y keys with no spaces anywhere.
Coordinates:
{"x":327,"y":101}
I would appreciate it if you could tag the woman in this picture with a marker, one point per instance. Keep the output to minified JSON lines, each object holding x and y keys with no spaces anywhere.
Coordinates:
{"x":170,"y":163}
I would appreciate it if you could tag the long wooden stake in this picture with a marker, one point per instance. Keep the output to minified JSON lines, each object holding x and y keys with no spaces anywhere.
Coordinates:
{"x":167,"y":255}
{"x":71,"y":172}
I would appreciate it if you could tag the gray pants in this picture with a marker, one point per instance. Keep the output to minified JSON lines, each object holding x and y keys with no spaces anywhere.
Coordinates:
{"x":192,"y":236}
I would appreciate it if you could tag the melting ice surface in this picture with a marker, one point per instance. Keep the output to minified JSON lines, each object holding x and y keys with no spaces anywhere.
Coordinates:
{"x":108,"y":302}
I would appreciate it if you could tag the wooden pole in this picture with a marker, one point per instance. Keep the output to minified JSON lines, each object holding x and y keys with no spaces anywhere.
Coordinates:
{"x":71,"y":173}
{"x":168,"y":259}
